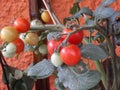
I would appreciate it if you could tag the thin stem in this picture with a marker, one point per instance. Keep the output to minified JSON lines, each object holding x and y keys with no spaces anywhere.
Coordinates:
{"x":108,"y":74}
{"x":52,"y":14}
{"x":108,"y":63}
{"x":50,"y":27}
{"x":5,"y":75}
{"x":59,"y":27}
{"x":64,"y":42}
{"x":112,"y":53}
{"x":114,"y":61}
{"x":86,"y":27}
{"x":68,"y":35}
{"x":100,"y":68}
{"x":1,"y":55}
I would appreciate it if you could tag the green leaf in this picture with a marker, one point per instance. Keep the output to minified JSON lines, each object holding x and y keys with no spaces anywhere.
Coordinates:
{"x":20,"y":85}
{"x":99,"y":37}
{"x":12,"y":81}
{"x":103,"y":12}
{"x":89,"y":79}
{"x":114,"y":17}
{"x":83,"y":10}
{"x":59,"y":85}
{"x":77,"y":81}
{"x":89,"y":22}
{"x":52,"y":35}
{"x":75,"y":8}
{"x":93,"y":52}
{"x":81,"y":67}
{"x":8,"y":70}
{"x":41,"y":70}
{"x":25,"y":82}
{"x":28,"y":81}
{"x":107,"y":2}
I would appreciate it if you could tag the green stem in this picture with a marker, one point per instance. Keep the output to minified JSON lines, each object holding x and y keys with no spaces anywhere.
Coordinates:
{"x":50,"y":27}
{"x":100,"y":68}
{"x":111,"y":49}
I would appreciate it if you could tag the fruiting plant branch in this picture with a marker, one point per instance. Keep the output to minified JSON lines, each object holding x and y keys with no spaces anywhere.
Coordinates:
{"x":87,"y":27}
{"x":102,"y":30}
{"x":114,"y":61}
{"x":72,"y":50}
{"x":50,"y":27}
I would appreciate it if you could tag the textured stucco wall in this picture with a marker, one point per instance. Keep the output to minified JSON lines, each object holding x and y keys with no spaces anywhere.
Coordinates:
{"x":62,"y":7}
{"x":10,"y":9}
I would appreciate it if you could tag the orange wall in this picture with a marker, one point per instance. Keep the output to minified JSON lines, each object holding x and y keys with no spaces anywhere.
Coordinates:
{"x":10,"y":9}
{"x":62,"y":7}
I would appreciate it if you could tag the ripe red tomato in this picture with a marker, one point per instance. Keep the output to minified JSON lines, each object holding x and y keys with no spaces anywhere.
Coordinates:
{"x":19,"y":45}
{"x":70,"y":54}
{"x":22,"y":25}
{"x":53,"y":44}
{"x":75,"y":38}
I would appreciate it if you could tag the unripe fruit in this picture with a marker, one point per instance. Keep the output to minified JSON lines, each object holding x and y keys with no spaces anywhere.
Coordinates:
{"x":56,"y":60}
{"x":43,"y":49}
{"x":9,"y":51}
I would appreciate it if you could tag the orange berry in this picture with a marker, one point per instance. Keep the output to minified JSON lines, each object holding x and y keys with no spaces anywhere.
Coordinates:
{"x":46,"y":17}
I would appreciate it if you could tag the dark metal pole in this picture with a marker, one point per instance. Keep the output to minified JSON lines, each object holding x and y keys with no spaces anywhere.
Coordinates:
{"x":35,"y":5}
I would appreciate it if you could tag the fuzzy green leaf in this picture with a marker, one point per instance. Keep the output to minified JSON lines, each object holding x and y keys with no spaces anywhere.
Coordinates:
{"x":114,"y":17}
{"x":8,"y":70}
{"x":20,"y":85}
{"x":93,"y":52}
{"x":41,"y":70}
{"x":78,"y":81}
{"x":103,"y":12}
{"x":28,"y":81}
{"x":107,"y":2}
{"x":59,"y":85}
{"x":75,"y":8}
{"x":83,"y":10}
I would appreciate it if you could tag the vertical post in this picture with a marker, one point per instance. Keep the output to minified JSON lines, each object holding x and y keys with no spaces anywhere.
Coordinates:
{"x":34,"y":10}
{"x":41,"y":84}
